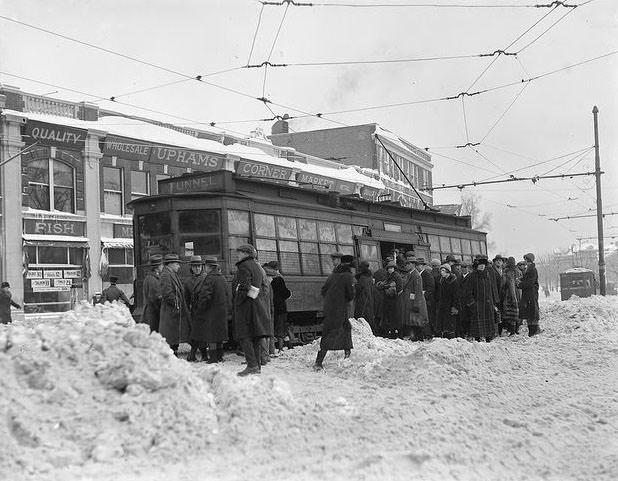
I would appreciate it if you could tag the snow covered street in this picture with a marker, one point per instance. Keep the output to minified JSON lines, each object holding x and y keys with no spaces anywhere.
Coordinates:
{"x":516,"y":408}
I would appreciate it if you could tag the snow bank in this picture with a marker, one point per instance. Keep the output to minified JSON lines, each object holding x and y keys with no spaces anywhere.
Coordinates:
{"x":94,"y":386}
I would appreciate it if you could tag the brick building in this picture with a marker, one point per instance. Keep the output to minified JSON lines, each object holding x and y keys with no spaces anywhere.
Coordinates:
{"x":360,"y":145}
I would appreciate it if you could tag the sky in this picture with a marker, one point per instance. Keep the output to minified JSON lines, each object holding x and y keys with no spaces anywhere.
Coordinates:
{"x":540,"y":127}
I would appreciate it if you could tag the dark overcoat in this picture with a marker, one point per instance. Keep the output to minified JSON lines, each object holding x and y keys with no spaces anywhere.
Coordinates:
{"x":529,"y":306}
{"x":113,"y":293}
{"x":338,"y":291}
{"x":479,"y":296}
{"x":210,"y":306}
{"x":391,"y":304}
{"x":363,"y":300}
{"x":190,"y":287}
{"x":414,"y":304}
{"x":5,"y":307}
{"x":378,"y":294}
{"x":251,"y":316}
{"x":429,"y":289}
{"x":175,"y":321}
{"x":447,"y":298}
{"x":152,"y":299}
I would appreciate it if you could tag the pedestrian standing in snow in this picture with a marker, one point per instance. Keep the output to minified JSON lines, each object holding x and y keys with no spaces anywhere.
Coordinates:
{"x":175,"y":321}
{"x":6,"y":302}
{"x":529,"y":307}
{"x":482,"y":301}
{"x":455,"y":264}
{"x":210,"y":307}
{"x":251,"y":309}
{"x":510,"y":297}
{"x":378,"y":295}
{"x":268,"y":344}
{"x":280,"y":296}
{"x":337,"y":292}
{"x":429,"y":289}
{"x":363,"y":300}
{"x":447,"y":301}
{"x":414,"y":317}
{"x":191,"y":286}
{"x":496,"y":271}
{"x":463,"y":326}
{"x":152,"y":292}
{"x":114,"y":293}
{"x":435,"y":273}
{"x":391,"y":288}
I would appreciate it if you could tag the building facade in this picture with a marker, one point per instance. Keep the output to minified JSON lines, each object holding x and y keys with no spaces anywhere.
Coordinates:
{"x":68,"y":171}
{"x":393,"y":160}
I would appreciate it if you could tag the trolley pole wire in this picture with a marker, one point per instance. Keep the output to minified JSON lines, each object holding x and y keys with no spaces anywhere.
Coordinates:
{"x":534,"y":180}
{"x":427,"y":206}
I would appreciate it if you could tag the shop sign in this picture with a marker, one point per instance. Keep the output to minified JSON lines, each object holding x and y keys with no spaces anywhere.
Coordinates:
{"x":187,"y":158}
{"x":307,"y":178}
{"x":72,"y":274}
{"x":57,"y":135}
{"x":54,"y":227}
{"x":52,"y":274}
{"x":247,"y":168}
{"x":204,"y":183}
{"x":124,"y":231}
{"x":62,"y":282}
{"x":34,"y":275}
{"x":40,"y":283}
{"x":344,"y":187}
{"x":52,"y":289}
{"x":126,"y":148}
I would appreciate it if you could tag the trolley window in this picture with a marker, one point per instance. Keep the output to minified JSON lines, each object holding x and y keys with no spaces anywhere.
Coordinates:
{"x":344,"y":234}
{"x":264,"y":225}
{"x":445,"y":245}
{"x":307,"y":229}
{"x":467,"y":246}
{"x":238,"y":223}
{"x":199,"y":221}
{"x":154,"y":225}
{"x":327,"y":232}
{"x":456,"y":245}
{"x":290,"y":258}
{"x":267,"y":250}
{"x":310,"y":258}
{"x":286,"y":228}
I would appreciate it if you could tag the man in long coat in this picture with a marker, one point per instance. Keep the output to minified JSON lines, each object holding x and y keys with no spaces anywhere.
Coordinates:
{"x":152,"y":292}
{"x":529,"y":308}
{"x":191,"y":285}
{"x":114,"y":293}
{"x":209,"y":314}
{"x":390,"y":288}
{"x":447,"y":303}
{"x":482,"y":301}
{"x":251,"y":309}
{"x":510,"y":297}
{"x":174,"y":322}
{"x":363,"y":296}
{"x":429,"y":289}
{"x":496,"y":271}
{"x":338,"y":291}
{"x":281,"y":294}
{"x":5,"y":303}
{"x":415,"y":316}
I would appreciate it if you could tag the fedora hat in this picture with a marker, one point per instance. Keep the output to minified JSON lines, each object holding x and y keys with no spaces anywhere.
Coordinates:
{"x":210,"y":260}
{"x":196,"y":261}
{"x":169,"y":258}
{"x":419,"y":261}
{"x":347,"y":259}
{"x":155,"y":260}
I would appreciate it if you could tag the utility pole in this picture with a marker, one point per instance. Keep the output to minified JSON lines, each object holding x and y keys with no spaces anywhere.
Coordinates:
{"x":597,"y":171}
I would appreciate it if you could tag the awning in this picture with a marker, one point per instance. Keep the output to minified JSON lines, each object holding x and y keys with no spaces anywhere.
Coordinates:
{"x":54,"y":240}
{"x":117,"y":243}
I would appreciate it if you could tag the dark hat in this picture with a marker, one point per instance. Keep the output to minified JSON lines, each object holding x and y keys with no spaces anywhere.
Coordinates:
{"x":410,"y":254}
{"x":389,"y":259}
{"x":529,"y":257}
{"x":272,"y":265}
{"x":210,"y":260}
{"x":155,"y":260}
{"x":419,"y":261}
{"x":5,"y":284}
{"x":336,"y":255}
{"x":347,"y":259}
{"x":498,"y":257}
{"x":521,"y":263}
{"x":247,"y":249}
{"x":510,"y":262}
{"x":481,"y":260}
{"x":169,"y":258}
{"x":450,"y":258}
{"x":363,"y":265}
{"x":391,"y":264}
{"x":196,"y":260}
{"x":113,"y":279}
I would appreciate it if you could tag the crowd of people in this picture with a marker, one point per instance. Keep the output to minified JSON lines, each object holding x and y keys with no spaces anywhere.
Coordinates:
{"x":406,"y":298}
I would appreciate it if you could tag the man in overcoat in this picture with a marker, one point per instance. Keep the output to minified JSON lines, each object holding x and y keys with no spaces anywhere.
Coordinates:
{"x":209,"y":314}
{"x":251,"y":309}
{"x":496,"y":271}
{"x":114,"y":293}
{"x":447,"y":303}
{"x":191,"y":285}
{"x":415,"y":315}
{"x":337,"y":292}
{"x":281,"y":294}
{"x":363,"y":297}
{"x":6,"y":302}
{"x":175,"y":321}
{"x":428,"y":291}
{"x":151,"y":290}
{"x":529,"y":308}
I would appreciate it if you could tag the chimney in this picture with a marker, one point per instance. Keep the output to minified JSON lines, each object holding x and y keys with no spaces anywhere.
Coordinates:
{"x":281,"y":126}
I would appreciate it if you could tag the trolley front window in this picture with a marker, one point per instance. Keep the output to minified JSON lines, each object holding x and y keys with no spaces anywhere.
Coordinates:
{"x":199,"y":221}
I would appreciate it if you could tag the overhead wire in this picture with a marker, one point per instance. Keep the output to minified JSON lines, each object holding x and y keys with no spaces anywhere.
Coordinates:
{"x":272,"y":48}
{"x":495,"y":124}
{"x":257,"y":28}
{"x":299,"y":3}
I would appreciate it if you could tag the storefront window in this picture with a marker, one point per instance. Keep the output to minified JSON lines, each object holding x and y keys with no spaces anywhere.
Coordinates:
{"x":120,"y":264}
{"x":112,"y":190}
{"x":139,"y":184}
{"x":59,"y":194}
